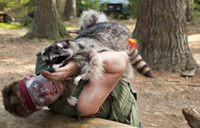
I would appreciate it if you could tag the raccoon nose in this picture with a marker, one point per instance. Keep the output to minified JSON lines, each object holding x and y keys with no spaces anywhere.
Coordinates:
{"x":51,"y":69}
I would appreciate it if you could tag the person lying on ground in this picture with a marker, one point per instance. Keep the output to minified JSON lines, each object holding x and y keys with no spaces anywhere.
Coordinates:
{"x":109,"y":97}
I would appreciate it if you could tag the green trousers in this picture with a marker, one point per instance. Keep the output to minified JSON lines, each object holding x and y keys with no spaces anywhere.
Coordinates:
{"x":120,"y":105}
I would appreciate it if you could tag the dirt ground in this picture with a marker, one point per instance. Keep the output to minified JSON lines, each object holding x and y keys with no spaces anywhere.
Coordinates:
{"x":160,"y":99}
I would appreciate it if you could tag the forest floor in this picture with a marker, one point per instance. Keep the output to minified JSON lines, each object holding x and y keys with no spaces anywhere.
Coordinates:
{"x":160,"y":99}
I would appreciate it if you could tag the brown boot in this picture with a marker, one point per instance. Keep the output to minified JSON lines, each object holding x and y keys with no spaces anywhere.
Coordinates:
{"x":192,"y":117}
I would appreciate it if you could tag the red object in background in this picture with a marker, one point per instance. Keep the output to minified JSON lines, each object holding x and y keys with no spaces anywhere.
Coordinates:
{"x":132,"y":43}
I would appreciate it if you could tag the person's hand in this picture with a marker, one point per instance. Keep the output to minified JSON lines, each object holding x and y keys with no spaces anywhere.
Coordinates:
{"x":63,"y":73}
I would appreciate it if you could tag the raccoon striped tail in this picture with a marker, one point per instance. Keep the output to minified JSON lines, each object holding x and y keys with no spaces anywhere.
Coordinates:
{"x":139,"y":64}
{"x":90,"y":18}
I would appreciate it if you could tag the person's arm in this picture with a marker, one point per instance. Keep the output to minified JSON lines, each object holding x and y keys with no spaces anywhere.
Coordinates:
{"x":95,"y":92}
{"x":114,"y":62}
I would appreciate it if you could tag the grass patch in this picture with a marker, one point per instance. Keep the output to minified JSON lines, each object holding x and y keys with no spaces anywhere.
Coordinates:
{"x":9,"y":26}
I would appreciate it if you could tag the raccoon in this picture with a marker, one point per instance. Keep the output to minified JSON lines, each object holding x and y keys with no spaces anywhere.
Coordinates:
{"x":85,"y":48}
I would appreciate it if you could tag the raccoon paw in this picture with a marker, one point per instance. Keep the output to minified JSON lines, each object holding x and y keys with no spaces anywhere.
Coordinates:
{"x":76,"y":80}
{"x":72,"y":100}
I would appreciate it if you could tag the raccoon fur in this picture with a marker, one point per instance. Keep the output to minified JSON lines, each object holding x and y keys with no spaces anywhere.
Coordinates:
{"x":90,"y":18}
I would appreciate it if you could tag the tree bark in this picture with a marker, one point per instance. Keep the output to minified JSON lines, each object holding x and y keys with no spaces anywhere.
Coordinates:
{"x":162,"y":36}
{"x":70,"y":9}
{"x":1,"y":7}
{"x":60,"y":4}
{"x":47,"y":21}
{"x":188,"y":10}
{"x":192,"y":117}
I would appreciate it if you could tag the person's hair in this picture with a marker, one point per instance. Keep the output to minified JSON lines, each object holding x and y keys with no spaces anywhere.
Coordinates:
{"x":13,"y":102}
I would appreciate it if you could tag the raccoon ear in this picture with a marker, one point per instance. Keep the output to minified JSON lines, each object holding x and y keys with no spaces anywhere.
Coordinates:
{"x":60,"y":45}
{"x":66,"y":43}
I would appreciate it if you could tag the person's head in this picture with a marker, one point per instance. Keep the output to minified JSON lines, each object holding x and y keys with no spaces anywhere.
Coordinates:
{"x":21,"y":98}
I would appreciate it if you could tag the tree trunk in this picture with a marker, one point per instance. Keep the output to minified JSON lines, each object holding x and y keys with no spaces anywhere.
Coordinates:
{"x":60,"y":4}
{"x":161,"y":33}
{"x":192,"y":8}
{"x":70,"y":9}
{"x":188,"y":10}
{"x":47,"y":21}
{"x":1,"y":7}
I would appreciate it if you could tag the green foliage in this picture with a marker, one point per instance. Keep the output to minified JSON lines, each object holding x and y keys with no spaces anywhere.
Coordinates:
{"x":134,"y":5}
{"x":196,"y":10}
{"x":196,"y":5}
{"x":26,"y":21}
{"x":8,"y":5}
{"x":19,"y":8}
{"x":89,"y":4}
{"x":10,"y":26}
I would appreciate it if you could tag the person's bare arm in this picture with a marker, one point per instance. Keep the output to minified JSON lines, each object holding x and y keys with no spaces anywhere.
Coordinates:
{"x":95,"y":92}
{"x":114,"y":62}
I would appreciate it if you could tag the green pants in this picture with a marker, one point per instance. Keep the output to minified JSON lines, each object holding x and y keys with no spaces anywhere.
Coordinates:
{"x":120,"y":105}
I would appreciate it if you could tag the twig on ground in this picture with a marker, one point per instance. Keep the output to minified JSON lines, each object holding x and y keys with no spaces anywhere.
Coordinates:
{"x":173,"y":80}
{"x":193,"y":85}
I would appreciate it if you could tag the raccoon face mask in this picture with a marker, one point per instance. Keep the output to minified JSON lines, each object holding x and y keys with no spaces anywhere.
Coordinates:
{"x":56,"y":54}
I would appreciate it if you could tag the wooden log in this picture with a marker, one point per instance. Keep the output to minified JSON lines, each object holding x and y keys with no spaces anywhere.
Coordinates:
{"x":192,"y":117}
{"x":46,"y":119}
